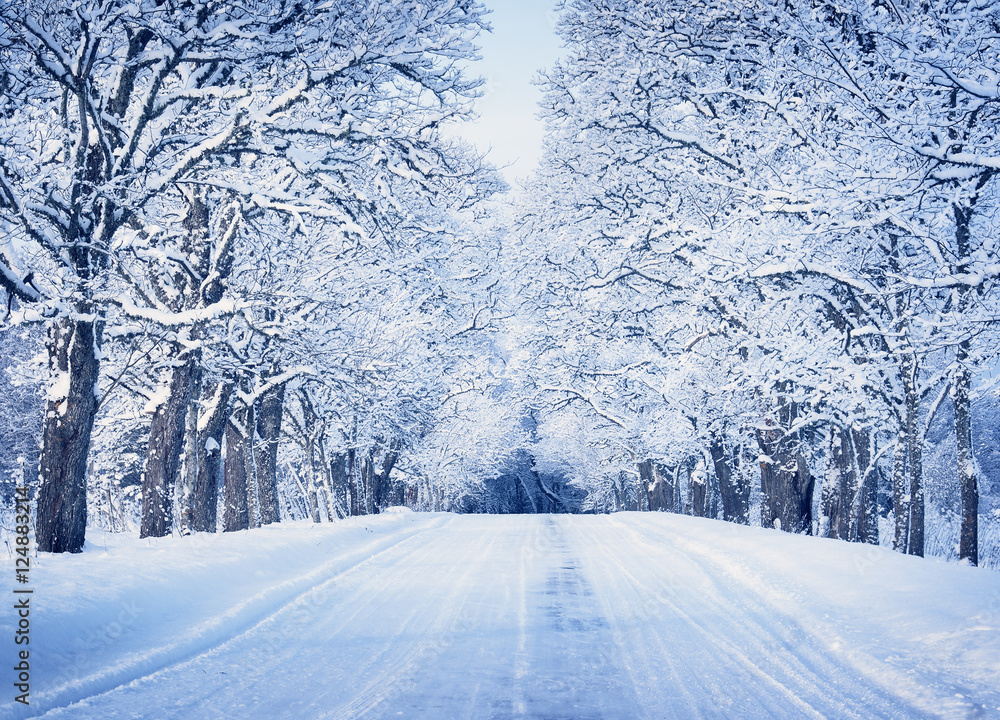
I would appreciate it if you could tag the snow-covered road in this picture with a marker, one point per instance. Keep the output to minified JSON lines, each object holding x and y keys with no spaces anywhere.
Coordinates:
{"x":577,"y":617}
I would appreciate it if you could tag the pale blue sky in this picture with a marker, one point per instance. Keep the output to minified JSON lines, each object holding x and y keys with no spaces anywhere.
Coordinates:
{"x":522,"y":42}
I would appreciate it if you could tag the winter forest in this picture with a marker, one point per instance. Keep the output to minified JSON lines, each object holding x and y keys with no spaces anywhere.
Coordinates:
{"x":250,"y":276}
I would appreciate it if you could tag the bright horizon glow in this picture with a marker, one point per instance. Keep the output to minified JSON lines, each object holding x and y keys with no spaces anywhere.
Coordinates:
{"x":523,"y":42}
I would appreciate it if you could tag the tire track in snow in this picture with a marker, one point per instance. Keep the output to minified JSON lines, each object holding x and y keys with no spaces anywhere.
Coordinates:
{"x":432,"y":637}
{"x":352,"y":647}
{"x":518,"y":634}
{"x":521,"y":665}
{"x":628,"y":635}
{"x":725,"y":649}
{"x":710,"y":632}
{"x":480,"y":617}
{"x":222,"y":628}
{"x":852,"y":663}
{"x":490,"y":655}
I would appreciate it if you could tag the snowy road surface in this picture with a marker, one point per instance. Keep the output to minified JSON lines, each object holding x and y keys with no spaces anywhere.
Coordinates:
{"x":575,"y":617}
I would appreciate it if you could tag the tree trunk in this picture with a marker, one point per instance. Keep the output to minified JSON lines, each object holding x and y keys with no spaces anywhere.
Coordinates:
{"x":236,"y":512}
{"x":309,"y":493}
{"x":338,"y":481}
{"x":169,"y":426}
{"x":334,"y":508}
{"x":253,"y":493}
{"x":654,"y":499}
{"x":630,"y":499}
{"x":61,"y":510}
{"x":735,"y":492}
{"x":867,"y":527}
{"x":697,"y":490}
{"x":312,"y":463}
{"x":211,"y":428}
{"x":968,"y":480}
{"x":312,"y":445}
{"x":915,"y":464}
{"x":312,"y":498}
{"x":642,"y":491}
{"x":675,"y":486}
{"x":367,"y":480}
{"x":616,"y":489}
{"x":163,"y":453}
{"x":786,"y":486}
{"x":191,"y":458}
{"x":838,"y":485}
{"x":900,"y":498}
{"x":352,"y":481}
{"x":380,"y":481}
{"x":269,"y":409}
{"x":671,"y":488}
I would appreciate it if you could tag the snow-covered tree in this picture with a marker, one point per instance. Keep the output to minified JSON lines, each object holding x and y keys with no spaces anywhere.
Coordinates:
{"x":113,"y":113}
{"x":655,"y":162}
{"x":909,"y":144}
{"x":796,"y":185}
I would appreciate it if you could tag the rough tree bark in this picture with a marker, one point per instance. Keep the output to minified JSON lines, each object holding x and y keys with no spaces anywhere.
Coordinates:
{"x":366,"y":476}
{"x":915,"y":465}
{"x":61,"y":509}
{"x":191,"y":288}
{"x":211,"y":430}
{"x":658,"y":486}
{"x":206,"y":428}
{"x":697,"y":490}
{"x":867,"y":525}
{"x":967,"y":468}
{"x":734,"y":489}
{"x":236,"y":510}
{"x":648,"y":483}
{"x":352,"y":482}
{"x":642,"y":491}
{"x":268,"y":422}
{"x":381,"y":471}
{"x":333,"y":502}
{"x":312,"y":478}
{"x":961,"y":385}
{"x":338,"y":482}
{"x":312,"y":462}
{"x":308,"y":433}
{"x":839,"y":484}
{"x":786,"y":485}
{"x":312,"y":498}
{"x":190,"y":459}
{"x":900,"y":496}
{"x":253,"y":492}
{"x":163,"y":453}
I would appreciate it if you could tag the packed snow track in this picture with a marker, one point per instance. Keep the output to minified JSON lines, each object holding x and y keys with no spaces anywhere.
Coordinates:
{"x":549,"y":617}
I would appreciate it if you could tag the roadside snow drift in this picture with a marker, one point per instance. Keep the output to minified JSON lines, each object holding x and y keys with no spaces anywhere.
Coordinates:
{"x":442,"y":616}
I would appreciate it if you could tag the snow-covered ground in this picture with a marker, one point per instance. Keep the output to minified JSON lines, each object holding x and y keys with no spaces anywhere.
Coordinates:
{"x":443,"y":616}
